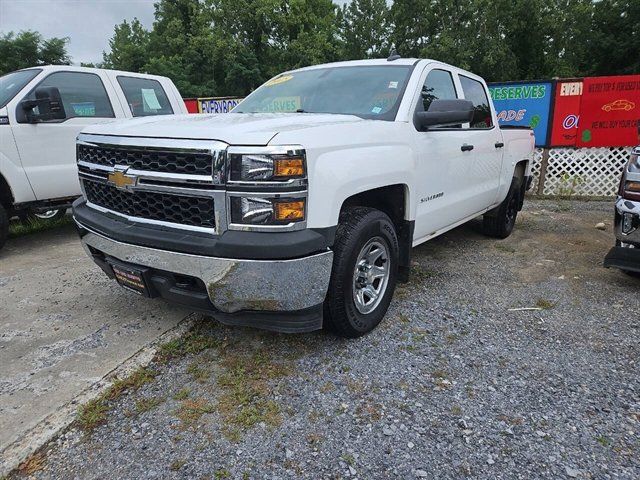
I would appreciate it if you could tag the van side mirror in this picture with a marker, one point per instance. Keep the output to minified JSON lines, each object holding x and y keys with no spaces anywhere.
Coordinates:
{"x":445,"y":112}
{"x":48,"y":103}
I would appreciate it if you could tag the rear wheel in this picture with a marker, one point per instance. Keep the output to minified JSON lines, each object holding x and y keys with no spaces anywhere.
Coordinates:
{"x":500,"y":221}
{"x":4,"y":226}
{"x":364,"y":274}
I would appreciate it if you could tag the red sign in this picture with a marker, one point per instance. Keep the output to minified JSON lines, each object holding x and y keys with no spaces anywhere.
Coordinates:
{"x":566,"y":113}
{"x":191,"y":104}
{"x":609,"y":112}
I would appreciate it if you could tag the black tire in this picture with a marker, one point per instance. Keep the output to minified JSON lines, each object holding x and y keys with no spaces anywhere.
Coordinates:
{"x":500,"y":221}
{"x":628,"y":272}
{"x":4,"y":226}
{"x":32,"y":216}
{"x":359,"y":227}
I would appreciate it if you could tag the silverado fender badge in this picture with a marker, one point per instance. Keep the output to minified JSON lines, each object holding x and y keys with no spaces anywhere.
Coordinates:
{"x":121,"y":180}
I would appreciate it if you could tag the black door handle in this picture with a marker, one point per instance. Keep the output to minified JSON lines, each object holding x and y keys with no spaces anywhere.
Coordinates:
{"x":499,"y":145}
{"x":466,"y":148}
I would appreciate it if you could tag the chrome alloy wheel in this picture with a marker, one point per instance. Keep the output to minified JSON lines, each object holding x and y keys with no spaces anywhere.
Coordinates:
{"x":371,"y":275}
{"x":46,"y":215}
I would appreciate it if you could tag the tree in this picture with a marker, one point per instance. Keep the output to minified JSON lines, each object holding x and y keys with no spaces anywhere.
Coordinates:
{"x":613,"y":44}
{"x":365,"y":29}
{"x":129,"y":47}
{"x":29,"y":49}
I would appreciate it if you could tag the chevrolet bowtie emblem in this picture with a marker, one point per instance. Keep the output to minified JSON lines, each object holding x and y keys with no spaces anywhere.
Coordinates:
{"x":121,"y":180}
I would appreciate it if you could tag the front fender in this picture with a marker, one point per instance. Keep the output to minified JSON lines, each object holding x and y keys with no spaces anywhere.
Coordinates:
{"x":11,"y":169}
{"x":339,"y":174}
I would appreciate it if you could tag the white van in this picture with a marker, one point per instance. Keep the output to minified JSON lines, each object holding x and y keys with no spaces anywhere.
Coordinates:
{"x":42,"y":110}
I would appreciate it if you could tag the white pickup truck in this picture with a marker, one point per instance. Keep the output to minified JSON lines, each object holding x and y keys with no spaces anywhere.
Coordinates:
{"x":287,"y":220}
{"x":42,"y":110}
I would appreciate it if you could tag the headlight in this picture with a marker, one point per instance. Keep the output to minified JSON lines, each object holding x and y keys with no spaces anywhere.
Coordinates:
{"x":249,"y":210}
{"x":279,"y":165}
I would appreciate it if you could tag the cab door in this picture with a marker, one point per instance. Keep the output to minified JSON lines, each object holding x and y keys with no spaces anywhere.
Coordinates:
{"x":441,"y":161}
{"x":481,"y":179}
{"x":48,"y":149}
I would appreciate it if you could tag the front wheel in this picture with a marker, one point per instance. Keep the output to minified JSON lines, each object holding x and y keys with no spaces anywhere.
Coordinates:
{"x":46,"y":216}
{"x":364,"y":274}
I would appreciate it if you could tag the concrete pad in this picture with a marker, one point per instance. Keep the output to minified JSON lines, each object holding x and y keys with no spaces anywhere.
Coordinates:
{"x":63,"y":326}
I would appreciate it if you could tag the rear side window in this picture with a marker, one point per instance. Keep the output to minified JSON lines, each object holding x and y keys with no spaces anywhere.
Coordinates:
{"x":83,"y":94}
{"x":438,"y":86}
{"x":145,"y":96}
{"x":476,"y":93}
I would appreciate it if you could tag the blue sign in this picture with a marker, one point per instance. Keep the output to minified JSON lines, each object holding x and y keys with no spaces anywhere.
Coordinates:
{"x":217,"y":105}
{"x":524,"y":104}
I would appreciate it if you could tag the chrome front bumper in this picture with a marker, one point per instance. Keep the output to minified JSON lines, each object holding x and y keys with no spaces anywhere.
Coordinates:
{"x":631,"y":209}
{"x":233,"y":285}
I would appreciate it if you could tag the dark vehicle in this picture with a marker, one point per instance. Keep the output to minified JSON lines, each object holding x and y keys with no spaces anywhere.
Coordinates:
{"x":626,"y":254}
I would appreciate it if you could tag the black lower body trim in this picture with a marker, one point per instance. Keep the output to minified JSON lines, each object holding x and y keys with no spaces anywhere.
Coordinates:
{"x":623,"y":258}
{"x":299,"y":321}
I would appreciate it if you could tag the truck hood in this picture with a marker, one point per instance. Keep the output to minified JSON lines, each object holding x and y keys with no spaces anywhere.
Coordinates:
{"x":232,"y":128}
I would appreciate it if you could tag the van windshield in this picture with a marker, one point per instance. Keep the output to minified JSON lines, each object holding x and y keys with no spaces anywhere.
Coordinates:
{"x":12,"y":83}
{"x":366,"y":91}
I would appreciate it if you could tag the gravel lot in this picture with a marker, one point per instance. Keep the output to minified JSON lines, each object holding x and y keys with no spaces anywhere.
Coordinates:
{"x":453,"y":384}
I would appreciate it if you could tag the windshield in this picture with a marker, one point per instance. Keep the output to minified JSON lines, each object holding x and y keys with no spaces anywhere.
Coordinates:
{"x":12,"y":83}
{"x":366,"y":91}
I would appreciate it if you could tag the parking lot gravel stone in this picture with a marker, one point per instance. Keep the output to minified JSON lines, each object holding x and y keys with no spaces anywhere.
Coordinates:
{"x":501,"y":359}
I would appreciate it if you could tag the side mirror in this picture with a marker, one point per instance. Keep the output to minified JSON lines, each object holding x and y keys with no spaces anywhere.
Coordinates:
{"x":445,"y":112}
{"x":49,"y":104}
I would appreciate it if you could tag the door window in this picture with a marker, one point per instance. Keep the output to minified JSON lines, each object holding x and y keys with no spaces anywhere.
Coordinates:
{"x":83,"y":94}
{"x":145,"y":96}
{"x":475,"y":92}
{"x":438,"y":86}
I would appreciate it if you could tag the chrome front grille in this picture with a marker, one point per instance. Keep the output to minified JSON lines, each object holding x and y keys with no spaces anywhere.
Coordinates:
{"x":176,"y":183}
{"x":156,"y":160}
{"x":163,"y":207}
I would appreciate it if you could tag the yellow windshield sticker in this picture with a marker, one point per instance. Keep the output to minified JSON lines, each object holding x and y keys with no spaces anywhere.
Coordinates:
{"x":278,"y":80}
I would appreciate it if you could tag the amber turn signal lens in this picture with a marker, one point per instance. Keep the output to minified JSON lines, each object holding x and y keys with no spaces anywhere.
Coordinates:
{"x":288,"y":167}
{"x":632,"y":187}
{"x":290,"y":211}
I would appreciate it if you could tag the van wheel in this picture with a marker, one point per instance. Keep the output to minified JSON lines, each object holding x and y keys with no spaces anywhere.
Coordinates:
{"x":500,"y":221}
{"x":364,"y":274}
{"x":4,"y":226}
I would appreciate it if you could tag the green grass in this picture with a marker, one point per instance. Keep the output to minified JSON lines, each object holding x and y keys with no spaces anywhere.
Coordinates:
{"x":190,"y":344}
{"x":198,"y":373}
{"x":182,"y":394}
{"x":94,"y":413}
{"x":20,"y":229}
{"x":244,"y":387}
{"x":177,"y":464}
{"x":545,"y":304}
{"x":190,"y":411}
{"x":146,"y":404}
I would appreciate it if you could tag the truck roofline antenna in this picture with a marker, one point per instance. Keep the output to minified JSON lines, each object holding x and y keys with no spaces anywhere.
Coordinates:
{"x":393,"y":55}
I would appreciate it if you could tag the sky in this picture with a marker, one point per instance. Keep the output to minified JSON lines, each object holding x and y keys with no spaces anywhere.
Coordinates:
{"x":88,"y":23}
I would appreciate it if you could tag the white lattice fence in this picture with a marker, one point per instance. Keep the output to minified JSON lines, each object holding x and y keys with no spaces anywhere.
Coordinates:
{"x":589,"y":172}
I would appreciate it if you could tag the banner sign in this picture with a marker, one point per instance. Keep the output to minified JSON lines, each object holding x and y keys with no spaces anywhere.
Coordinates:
{"x":609,"y":112}
{"x":524,"y":104}
{"x":217,"y":105}
{"x":566,"y":113}
{"x":191,"y":104}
